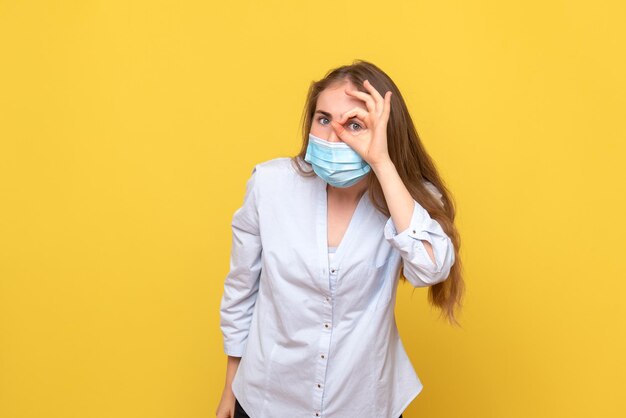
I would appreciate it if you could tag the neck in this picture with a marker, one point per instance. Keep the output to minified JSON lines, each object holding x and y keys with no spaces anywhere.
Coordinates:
{"x":352,"y":193}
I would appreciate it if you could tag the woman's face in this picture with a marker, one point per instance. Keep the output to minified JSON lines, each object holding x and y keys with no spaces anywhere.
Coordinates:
{"x":332,"y":103}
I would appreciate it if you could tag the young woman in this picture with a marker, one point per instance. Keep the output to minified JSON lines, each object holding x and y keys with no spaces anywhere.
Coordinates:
{"x":319,"y":245}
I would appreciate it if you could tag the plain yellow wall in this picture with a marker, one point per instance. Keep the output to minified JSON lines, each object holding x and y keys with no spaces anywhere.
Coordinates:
{"x":128,"y":130}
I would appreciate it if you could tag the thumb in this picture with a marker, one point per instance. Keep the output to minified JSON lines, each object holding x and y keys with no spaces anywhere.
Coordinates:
{"x":342,"y":133}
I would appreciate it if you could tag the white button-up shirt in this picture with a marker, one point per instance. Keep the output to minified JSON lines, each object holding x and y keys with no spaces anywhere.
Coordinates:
{"x":316,"y":335}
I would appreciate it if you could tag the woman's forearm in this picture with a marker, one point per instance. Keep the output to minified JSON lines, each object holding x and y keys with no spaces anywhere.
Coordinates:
{"x":231,"y":368}
{"x":399,"y":200}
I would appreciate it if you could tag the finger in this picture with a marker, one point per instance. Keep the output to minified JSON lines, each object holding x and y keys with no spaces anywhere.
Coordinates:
{"x":339,"y":129}
{"x":387,"y":108}
{"x":357,"y":112}
{"x":367,"y":98}
{"x":374,"y":93}
{"x":344,"y":135}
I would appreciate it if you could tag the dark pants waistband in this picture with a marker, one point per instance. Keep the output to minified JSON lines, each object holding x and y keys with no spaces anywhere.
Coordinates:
{"x":240,"y":413}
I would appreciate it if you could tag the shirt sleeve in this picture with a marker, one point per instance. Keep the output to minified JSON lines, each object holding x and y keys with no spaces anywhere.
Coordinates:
{"x":418,"y":266}
{"x":242,"y":282}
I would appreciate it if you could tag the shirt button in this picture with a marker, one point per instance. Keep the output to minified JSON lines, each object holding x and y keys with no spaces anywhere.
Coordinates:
{"x":319,"y":386}
{"x":322,"y":356}
{"x":332,"y":270}
{"x":414,"y":231}
{"x":326,"y":325}
{"x":327,"y":298}
{"x":317,"y":414}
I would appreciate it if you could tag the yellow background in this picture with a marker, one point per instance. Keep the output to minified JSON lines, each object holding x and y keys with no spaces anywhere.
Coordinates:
{"x":128,"y":130}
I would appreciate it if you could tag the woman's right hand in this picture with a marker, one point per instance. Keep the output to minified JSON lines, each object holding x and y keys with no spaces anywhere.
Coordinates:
{"x":226,"y":408}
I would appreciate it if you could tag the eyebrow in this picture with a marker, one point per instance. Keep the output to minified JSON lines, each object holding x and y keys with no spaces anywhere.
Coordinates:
{"x":328,"y":115}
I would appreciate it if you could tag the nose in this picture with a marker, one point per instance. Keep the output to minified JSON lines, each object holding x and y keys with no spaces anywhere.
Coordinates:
{"x":332,"y":136}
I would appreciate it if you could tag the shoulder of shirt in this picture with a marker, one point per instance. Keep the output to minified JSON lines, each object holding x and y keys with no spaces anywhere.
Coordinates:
{"x":274,"y":164}
{"x":278,"y":167}
{"x":432,"y":189}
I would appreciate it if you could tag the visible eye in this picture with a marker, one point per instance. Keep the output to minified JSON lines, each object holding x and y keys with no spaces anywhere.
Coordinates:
{"x":357,"y":125}
{"x":354,"y":123}
{"x":322,"y":117}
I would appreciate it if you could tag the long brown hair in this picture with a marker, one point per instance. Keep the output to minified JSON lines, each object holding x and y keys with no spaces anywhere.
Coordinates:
{"x":413,"y":163}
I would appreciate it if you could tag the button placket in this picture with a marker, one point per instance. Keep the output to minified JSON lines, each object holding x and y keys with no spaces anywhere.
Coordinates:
{"x":324,"y":343}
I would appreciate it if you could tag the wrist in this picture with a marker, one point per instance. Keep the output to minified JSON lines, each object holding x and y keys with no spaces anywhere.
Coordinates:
{"x":382,"y":166}
{"x":228,"y":391}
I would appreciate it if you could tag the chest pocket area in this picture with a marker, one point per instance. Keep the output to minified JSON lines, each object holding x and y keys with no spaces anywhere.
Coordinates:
{"x":382,"y":273}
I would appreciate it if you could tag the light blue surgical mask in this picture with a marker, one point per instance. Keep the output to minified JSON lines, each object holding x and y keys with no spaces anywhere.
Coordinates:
{"x":335,"y":162}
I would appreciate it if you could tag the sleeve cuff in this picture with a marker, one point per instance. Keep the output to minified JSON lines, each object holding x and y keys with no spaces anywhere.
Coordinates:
{"x":415,"y":231}
{"x":235,"y":350}
{"x":419,"y":268}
